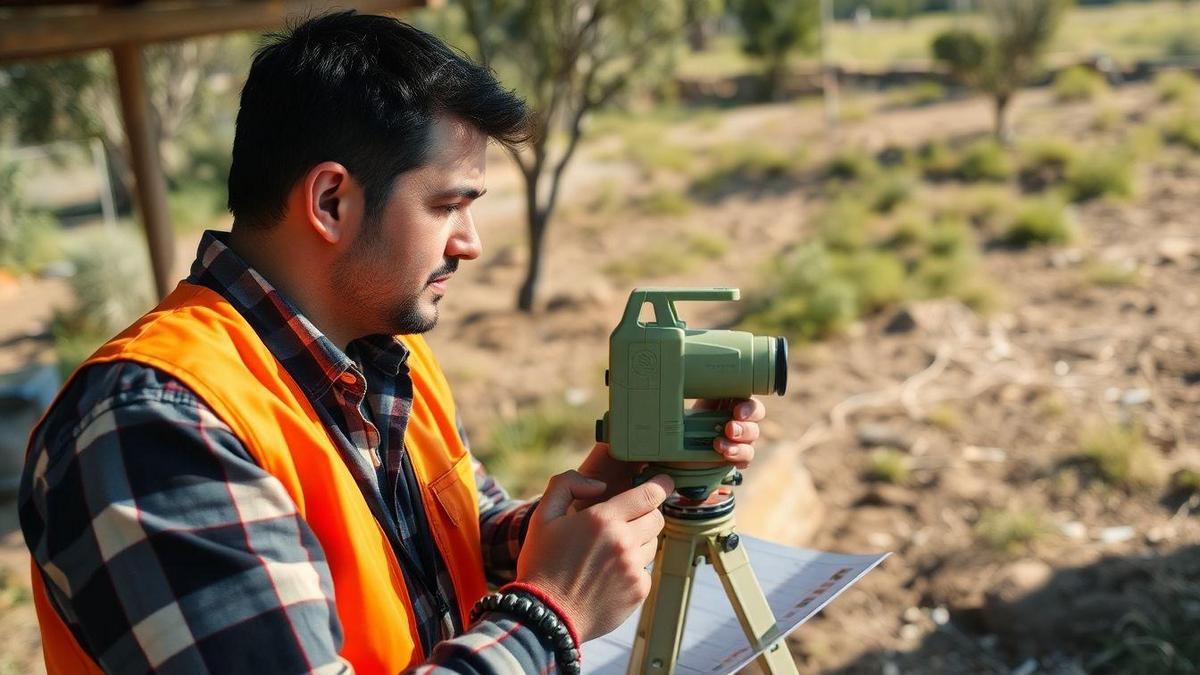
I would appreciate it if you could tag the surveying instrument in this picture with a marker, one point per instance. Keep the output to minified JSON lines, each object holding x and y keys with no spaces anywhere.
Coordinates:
{"x":654,"y":367}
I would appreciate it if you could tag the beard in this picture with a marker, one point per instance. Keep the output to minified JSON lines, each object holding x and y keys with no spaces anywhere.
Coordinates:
{"x":356,"y":277}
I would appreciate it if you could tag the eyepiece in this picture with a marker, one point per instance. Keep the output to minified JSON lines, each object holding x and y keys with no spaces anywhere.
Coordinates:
{"x":781,"y":365}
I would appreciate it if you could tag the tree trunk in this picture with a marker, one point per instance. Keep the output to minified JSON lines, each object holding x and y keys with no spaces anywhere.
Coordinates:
{"x":536,"y":219}
{"x":1002,"y":131}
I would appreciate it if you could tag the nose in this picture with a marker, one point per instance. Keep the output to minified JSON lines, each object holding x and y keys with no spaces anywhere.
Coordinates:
{"x":464,"y":241}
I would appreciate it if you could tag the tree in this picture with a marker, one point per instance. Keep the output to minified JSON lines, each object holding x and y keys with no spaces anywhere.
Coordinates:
{"x":774,"y":29}
{"x":568,"y":57}
{"x":1002,"y":61}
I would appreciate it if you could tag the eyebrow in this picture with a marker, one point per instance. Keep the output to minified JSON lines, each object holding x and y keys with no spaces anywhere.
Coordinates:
{"x":460,"y":192}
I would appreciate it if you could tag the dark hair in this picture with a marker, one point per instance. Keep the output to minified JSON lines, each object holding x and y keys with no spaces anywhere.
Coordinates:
{"x":359,"y":90}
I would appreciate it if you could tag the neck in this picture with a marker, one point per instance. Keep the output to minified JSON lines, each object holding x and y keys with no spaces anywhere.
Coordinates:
{"x":272,"y":256}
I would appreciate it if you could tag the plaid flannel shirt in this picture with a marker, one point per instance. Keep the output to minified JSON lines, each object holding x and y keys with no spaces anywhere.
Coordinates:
{"x":166,"y":548}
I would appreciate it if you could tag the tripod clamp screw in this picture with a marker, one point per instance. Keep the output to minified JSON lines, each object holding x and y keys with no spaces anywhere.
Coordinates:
{"x":729,"y":542}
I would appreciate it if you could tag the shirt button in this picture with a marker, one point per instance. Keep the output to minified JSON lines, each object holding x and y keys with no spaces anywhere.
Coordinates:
{"x":349,"y":378}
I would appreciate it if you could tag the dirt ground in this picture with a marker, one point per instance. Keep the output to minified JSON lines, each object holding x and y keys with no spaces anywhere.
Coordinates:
{"x":988,"y":410}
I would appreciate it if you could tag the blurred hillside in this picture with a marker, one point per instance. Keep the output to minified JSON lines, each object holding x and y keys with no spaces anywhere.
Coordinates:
{"x":996,"y":345}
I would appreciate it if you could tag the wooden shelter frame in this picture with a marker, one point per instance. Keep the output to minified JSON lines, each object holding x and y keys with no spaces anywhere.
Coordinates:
{"x":36,"y":30}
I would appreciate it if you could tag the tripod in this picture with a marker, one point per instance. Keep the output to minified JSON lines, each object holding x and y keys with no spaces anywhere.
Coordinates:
{"x":694,"y":533}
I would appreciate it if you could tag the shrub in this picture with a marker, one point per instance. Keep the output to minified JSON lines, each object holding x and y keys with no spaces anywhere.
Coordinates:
{"x":853,"y":164}
{"x":1078,"y":83}
{"x":112,"y":287}
{"x":948,"y":237}
{"x":941,"y":277}
{"x":28,"y":238}
{"x":665,"y":203}
{"x":804,"y":298}
{"x":1112,"y":275}
{"x":888,"y":465}
{"x":937,"y":160}
{"x":1183,"y":129}
{"x":196,"y":205}
{"x":666,"y":258}
{"x":1010,"y":531}
{"x":1176,"y":86}
{"x":891,"y":190}
{"x":1099,"y":174}
{"x":538,"y":441}
{"x":1041,"y":221}
{"x":877,"y":276}
{"x":843,"y":224}
{"x":1045,"y":163}
{"x":985,"y":160}
{"x":741,"y":162}
{"x":1121,"y":457}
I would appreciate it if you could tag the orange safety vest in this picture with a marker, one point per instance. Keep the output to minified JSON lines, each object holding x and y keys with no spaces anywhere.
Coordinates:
{"x":196,"y":336}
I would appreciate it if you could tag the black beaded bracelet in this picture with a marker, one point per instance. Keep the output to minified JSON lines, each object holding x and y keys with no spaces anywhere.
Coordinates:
{"x":535,"y":614}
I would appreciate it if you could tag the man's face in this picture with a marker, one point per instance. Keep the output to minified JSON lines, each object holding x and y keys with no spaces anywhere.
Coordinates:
{"x":398,"y":268}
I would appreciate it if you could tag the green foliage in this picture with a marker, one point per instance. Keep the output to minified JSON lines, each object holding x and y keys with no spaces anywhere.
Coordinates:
{"x":1183,"y":129}
{"x":805,"y":299}
{"x":111,"y":286}
{"x":1041,"y":221}
{"x":984,"y":161}
{"x":1078,"y":83}
{"x":1176,"y":86}
{"x":851,"y":164}
{"x":774,"y":29}
{"x":1100,"y":173}
{"x":937,"y":161}
{"x":944,"y":417}
{"x":1002,"y":61}
{"x":891,"y":190}
{"x":1149,"y":644}
{"x":1186,"y":480}
{"x":740,"y":164}
{"x":878,"y":278}
{"x":888,"y":465}
{"x":28,"y":238}
{"x":1045,"y":163}
{"x":665,"y":202}
{"x":196,"y":205}
{"x":667,"y":257}
{"x":1112,"y":275}
{"x":1010,"y":531}
{"x":843,"y":224}
{"x":1121,"y":457}
{"x":540,"y":440}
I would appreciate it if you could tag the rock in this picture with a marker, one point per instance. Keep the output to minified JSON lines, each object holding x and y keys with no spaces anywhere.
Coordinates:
{"x":1029,"y":667}
{"x":1074,"y":530}
{"x":934,"y":316}
{"x":975,"y":453}
{"x":881,"y":435}
{"x":902,"y":322}
{"x":939,"y":615}
{"x":1117,"y":535}
{"x":778,"y":501}
{"x":1175,"y":250}
{"x":1132,"y":397}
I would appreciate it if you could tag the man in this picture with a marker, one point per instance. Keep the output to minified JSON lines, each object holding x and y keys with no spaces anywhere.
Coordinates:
{"x":266,"y":472}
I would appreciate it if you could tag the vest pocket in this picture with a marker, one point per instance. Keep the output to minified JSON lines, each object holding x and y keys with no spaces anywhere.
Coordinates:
{"x":454,"y":491}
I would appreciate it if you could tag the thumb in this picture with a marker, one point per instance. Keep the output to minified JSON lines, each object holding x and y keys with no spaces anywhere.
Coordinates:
{"x":564,"y":489}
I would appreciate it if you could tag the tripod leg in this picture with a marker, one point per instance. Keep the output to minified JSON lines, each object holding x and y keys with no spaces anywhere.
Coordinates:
{"x":746,"y":596}
{"x":660,"y":628}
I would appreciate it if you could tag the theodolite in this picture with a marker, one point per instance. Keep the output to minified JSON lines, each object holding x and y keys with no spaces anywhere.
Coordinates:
{"x":654,"y":368}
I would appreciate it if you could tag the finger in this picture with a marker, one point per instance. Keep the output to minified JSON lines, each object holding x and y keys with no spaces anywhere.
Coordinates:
{"x":746,"y":432}
{"x":564,"y":489}
{"x":647,"y":527}
{"x":734,"y":452}
{"x":647,"y":552}
{"x":636,"y":502}
{"x":749,"y":410}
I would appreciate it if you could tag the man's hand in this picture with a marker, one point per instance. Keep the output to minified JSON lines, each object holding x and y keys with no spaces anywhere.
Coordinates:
{"x":593,"y":562}
{"x":737,"y":446}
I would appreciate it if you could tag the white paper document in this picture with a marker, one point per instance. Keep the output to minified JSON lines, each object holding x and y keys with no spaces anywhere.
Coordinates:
{"x":797,"y":582}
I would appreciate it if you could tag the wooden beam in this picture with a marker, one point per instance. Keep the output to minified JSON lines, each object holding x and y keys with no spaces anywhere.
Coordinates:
{"x":33,"y":33}
{"x":147,"y":168}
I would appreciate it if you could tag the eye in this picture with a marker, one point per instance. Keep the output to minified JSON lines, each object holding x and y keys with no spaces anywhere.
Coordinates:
{"x":451,"y":208}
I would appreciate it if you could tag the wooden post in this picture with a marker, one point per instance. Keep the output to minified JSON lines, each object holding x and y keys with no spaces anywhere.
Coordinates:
{"x":147,"y":168}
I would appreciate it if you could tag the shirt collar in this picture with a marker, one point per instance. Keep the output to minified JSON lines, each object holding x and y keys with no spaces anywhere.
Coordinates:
{"x":306,"y":353}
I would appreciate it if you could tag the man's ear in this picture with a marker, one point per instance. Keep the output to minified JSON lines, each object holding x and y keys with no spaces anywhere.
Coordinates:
{"x":332,"y":199}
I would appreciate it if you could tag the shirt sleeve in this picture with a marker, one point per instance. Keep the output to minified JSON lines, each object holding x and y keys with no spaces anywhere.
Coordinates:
{"x":164,"y":547}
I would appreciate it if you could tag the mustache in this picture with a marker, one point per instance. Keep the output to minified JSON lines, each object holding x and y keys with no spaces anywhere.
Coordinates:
{"x":450,"y":267}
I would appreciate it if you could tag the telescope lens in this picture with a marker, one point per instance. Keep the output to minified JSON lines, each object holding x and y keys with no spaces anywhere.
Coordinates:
{"x":781,"y":365}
